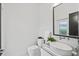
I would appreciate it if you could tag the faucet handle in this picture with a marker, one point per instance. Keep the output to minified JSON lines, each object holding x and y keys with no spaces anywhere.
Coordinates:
{"x":74,"y":53}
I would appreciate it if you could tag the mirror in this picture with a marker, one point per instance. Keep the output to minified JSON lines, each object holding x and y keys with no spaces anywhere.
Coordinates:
{"x":65,"y":20}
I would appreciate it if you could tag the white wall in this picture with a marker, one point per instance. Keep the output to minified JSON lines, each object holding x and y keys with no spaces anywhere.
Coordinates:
{"x":46,"y":24}
{"x":45,"y":18}
{"x":20,"y":27}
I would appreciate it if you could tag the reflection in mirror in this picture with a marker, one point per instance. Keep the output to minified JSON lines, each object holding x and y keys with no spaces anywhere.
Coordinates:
{"x":65,"y":19}
{"x":73,"y":19}
{"x":62,"y":26}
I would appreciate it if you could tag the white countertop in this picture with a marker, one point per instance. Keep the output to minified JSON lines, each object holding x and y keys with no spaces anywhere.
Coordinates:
{"x":47,"y":49}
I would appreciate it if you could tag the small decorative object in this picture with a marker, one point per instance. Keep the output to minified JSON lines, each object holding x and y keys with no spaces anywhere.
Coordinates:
{"x":40,"y":37}
{"x":50,"y":38}
{"x":40,"y":41}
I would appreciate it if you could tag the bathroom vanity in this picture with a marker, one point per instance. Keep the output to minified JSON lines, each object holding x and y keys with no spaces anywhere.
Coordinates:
{"x":57,"y":49}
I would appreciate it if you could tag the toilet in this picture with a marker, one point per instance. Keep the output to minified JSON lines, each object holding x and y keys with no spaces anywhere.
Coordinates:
{"x":34,"y":51}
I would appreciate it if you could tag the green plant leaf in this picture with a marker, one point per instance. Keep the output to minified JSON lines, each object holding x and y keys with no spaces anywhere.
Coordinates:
{"x":51,"y":39}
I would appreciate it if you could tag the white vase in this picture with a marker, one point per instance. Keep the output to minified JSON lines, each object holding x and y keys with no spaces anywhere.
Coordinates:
{"x":40,"y":42}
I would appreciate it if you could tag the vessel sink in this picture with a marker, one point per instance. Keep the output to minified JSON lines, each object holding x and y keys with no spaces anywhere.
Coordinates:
{"x":61,"y":48}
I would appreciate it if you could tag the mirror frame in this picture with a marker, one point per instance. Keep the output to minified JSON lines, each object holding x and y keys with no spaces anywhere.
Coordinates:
{"x":71,"y":36}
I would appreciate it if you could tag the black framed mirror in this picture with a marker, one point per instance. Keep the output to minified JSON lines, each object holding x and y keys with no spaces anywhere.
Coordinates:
{"x":66,"y":20}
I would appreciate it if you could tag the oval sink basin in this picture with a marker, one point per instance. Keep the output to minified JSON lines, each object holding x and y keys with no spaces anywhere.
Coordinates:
{"x":61,"y":48}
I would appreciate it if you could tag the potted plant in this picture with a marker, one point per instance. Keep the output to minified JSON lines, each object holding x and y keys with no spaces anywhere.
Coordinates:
{"x":50,"y":38}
